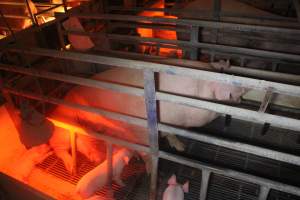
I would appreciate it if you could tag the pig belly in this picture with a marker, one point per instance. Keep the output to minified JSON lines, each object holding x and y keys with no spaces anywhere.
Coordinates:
{"x":173,"y":193}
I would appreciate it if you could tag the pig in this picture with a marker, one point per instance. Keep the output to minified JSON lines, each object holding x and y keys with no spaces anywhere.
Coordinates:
{"x":93,"y":149}
{"x":175,"y":191}
{"x":29,"y":159}
{"x":79,"y":42}
{"x":97,"y":178}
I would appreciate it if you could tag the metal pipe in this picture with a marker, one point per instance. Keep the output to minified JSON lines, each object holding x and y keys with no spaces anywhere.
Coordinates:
{"x":152,"y":119}
{"x":231,"y":173}
{"x":264,"y":152}
{"x":205,"y":176}
{"x":33,"y":19}
{"x":189,"y":22}
{"x":193,"y":73}
{"x":263,"y":193}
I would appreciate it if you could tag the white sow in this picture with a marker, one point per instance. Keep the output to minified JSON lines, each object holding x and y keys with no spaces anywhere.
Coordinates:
{"x":97,"y":178}
{"x":175,"y":191}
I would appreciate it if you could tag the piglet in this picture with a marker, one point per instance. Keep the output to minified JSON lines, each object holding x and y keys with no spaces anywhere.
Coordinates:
{"x":97,"y":178}
{"x":175,"y":191}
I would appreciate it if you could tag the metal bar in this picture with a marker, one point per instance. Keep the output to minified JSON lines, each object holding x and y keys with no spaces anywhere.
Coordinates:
{"x":100,"y":136}
{"x":263,"y":193}
{"x":109,"y":158}
{"x":216,"y":9}
{"x":297,"y":8}
{"x":194,"y":38}
{"x":74,"y":80}
{"x":205,"y":176}
{"x":248,"y":115}
{"x":74,"y":151}
{"x":256,"y":73}
{"x":231,"y":173}
{"x":264,"y":152}
{"x":8,"y":3}
{"x":33,"y":19}
{"x":151,"y":107}
{"x":16,"y":16}
{"x":48,"y":9}
{"x":193,"y":73}
{"x":189,"y":22}
{"x":60,"y":36}
{"x":65,"y":5}
{"x":209,"y":46}
{"x":266,"y":101}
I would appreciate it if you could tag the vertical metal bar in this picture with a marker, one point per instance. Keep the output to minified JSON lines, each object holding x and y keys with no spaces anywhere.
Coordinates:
{"x":216,"y":10}
{"x":60,"y":35}
{"x":33,"y":19}
{"x":194,"y":38}
{"x":204,"y":184}
{"x":65,"y":5}
{"x":109,"y":157}
{"x":151,"y":107}
{"x":263,"y":193}
{"x":297,"y":8}
{"x":73,"y":150}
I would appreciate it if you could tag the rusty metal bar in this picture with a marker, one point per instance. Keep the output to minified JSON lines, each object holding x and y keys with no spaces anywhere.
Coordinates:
{"x":152,"y":118}
{"x":205,"y":176}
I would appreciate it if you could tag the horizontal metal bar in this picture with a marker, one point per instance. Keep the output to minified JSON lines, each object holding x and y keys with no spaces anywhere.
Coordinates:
{"x":264,"y":152}
{"x":48,"y":9}
{"x":216,"y":47}
{"x":231,"y":173}
{"x":240,"y":113}
{"x":73,"y":79}
{"x":255,"y":73}
{"x":230,"y":144}
{"x":124,"y":118}
{"x":9,"y":3}
{"x":100,"y":136}
{"x":193,"y":73}
{"x":16,"y":16}
{"x":188,"y":22}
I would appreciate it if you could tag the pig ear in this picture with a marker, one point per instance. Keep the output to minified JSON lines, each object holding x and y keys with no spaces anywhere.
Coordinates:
{"x":185,"y":187}
{"x":222,"y":92}
{"x":172,"y":180}
{"x":126,"y":159}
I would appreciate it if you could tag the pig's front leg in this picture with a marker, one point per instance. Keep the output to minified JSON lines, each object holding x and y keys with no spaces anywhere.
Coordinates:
{"x":174,"y":141}
{"x":66,"y":158}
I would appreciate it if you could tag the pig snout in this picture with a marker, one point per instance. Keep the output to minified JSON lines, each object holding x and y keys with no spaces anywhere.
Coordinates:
{"x":175,"y":191}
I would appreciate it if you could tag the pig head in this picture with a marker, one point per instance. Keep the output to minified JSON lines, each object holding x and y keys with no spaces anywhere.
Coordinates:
{"x":175,"y":191}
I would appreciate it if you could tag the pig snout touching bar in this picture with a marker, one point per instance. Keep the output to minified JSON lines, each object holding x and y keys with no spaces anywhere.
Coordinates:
{"x":97,"y":178}
{"x":175,"y":191}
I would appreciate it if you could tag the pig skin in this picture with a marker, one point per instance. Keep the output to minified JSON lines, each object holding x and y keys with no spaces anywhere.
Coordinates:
{"x":97,"y":197}
{"x":97,"y":178}
{"x":170,"y":113}
{"x":29,"y":159}
{"x":175,"y":191}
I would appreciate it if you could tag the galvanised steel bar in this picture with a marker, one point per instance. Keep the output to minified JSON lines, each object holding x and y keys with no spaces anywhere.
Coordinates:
{"x":152,"y":118}
{"x":192,"y":73}
{"x":263,"y":193}
{"x":230,"y":173}
{"x":205,"y":176}
{"x":260,"y":151}
{"x":189,"y":22}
